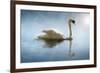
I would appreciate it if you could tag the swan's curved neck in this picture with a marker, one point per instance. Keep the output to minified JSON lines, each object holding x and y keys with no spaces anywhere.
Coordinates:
{"x":70,"y":29}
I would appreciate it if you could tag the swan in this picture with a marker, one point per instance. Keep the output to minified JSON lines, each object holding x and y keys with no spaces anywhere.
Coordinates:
{"x":52,"y":34}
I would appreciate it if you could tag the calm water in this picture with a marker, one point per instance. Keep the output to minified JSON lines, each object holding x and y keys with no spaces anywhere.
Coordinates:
{"x":33,"y":22}
{"x":41,"y":51}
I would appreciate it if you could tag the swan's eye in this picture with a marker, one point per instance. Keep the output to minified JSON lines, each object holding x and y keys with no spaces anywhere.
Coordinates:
{"x":73,"y":21}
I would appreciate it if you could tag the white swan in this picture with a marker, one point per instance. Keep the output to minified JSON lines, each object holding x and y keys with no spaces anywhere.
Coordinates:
{"x":52,"y":34}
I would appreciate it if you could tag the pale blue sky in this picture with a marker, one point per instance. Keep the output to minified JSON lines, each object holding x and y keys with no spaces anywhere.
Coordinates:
{"x":33,"y":22}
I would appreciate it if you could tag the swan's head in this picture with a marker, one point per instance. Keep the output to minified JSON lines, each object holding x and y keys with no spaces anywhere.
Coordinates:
{"x":72,"y":21}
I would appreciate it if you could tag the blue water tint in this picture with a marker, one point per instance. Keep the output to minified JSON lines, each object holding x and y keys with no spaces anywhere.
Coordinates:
{"x":32,"y":24}
{"x":34,"y":51}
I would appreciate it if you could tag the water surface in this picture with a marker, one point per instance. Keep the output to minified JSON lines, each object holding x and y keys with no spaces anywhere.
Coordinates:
{"x":41,"y":51}
{"x":33,"y":22}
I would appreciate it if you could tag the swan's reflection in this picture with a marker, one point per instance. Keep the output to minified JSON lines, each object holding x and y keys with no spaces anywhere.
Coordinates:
{"x":71,"y":53}
{"x":53,"y":43}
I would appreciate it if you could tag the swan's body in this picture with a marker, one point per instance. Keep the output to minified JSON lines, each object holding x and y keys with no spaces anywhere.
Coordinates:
{"x":51,"y":34}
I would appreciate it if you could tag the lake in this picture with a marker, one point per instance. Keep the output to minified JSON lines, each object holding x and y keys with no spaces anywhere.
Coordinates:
{"x":43,"y":51}
{"x":33,"y":22}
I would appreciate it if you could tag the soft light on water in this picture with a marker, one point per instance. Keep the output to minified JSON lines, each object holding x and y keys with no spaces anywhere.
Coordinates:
{"x":38,"y":51}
